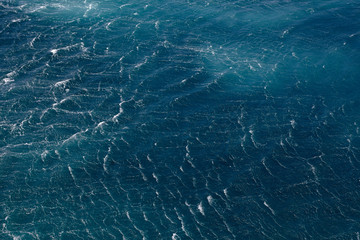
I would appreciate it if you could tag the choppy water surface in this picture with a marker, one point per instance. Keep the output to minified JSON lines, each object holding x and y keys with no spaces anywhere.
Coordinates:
{"x":175,"y":119}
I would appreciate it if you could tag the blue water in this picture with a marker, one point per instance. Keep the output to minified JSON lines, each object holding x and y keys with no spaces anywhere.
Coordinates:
{"x":226,"y":119}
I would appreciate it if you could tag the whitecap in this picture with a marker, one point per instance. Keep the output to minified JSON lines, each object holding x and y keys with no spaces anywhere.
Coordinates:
{"x":108,"y":24}
{"x":293,"y":123}
{"x":156,"y":178}
{"x":142,"y":63}
{"x":105,"y":160}
{"x":175,"y":237}
{"x":101,"y":124}
{"x":157,"y":23}
{"x":54,"y":51}
{"x":62,"y":83}
{"x":8,"y":80}
{"x":9,"y":77}
{"x":11,"y":74}
{"x":354,"y":34}
{"x":226,"y":193}
{"x":31,"y":44}
{"x":67,"y":48}
{"x":210,"y":200}
{"x":43,"y":155}
{"x":182,"y":224}
{"x":201,"y":209}
{"x":271,"y":210}
{"x":16,"y":20}
{"x":251,"y":67}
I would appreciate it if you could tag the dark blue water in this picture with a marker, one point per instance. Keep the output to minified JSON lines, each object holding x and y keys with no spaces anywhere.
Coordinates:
{"x":234,"y":119}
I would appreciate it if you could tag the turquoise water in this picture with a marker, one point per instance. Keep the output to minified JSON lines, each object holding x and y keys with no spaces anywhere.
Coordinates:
{"x":179,"y":119}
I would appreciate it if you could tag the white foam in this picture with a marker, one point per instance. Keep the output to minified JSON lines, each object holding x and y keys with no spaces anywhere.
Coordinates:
{"x":293,"y":123}
{"x":191,"y":163}
{"x":313,"y":171}
{"x":226,"y":193}
{"x":354,"y":34}
{"x":74,"y":136}
{"x":168,"y":218}
{"x":71,"y":173}
{"x":175,"y":237}
{"x":121,"y":110}
{"x":200,"y":141}
{"x":142,"y":63}
{"x":145,"y":217}
{"x":108,"y":193}
{"x":210,"y":200}
{"x":106,"y":158}
{"x":108,"y":24}
{"x":11,"y":74}
{"x":139,"y":230}
{"x":284,"y":33}
{"x":157,"y":23}
{"x":252,"y":138}
{"x":89,"y":8}
{"x":16,"y":20}
{"x":182,"y":224}
{"x":38,"y":8}
{"x":271,"y":210}
{"x":143,"y":176}
{"x":57,"y":154}
{"x":124,"y":5}
{"x":43,"y":155}
{"x":156,"y":178}
{"x":54,"y":51}
{"x":252,"y":68}
{"x":105,"y":163}
{"x":201,"y":208}
{"x":83,"y":48}
{"x":62,"y":83}
{"x":8,"y":80}
{"x":32,"y":42}
{"x":67,"y":48}
{"x":101,"y":124}
{"x":264,"y":164}
{"x":114,"y":118}
{"x":187,"y":148}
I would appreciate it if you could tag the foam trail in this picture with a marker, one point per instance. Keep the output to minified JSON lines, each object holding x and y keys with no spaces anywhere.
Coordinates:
{"x":211,"y":203}
{"x":183,"y":228}
{"x":72,"y":174}
{"x":139,"y":230}
{"x":267,"y":205}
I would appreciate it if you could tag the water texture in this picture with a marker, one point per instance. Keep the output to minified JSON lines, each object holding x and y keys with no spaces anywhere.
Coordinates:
{"x":234,"y":119}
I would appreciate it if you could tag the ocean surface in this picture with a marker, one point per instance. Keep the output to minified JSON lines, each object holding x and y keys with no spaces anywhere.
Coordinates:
{"x":216,"y":119}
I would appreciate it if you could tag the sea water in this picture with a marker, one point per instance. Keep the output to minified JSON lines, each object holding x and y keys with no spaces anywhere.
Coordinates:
{"x":216,"y":119}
